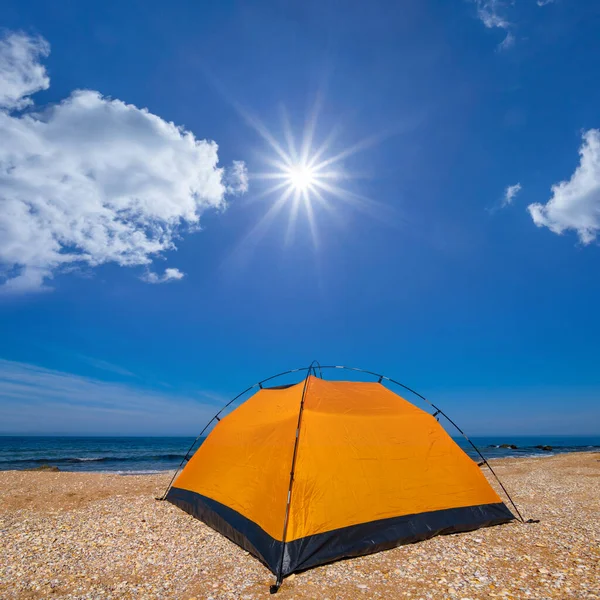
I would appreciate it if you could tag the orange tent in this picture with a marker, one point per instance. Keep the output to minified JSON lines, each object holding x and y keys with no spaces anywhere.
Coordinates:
{"x":305,"y":474}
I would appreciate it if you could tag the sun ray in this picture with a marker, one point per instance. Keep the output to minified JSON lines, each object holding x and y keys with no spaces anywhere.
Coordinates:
{"x":331,"y":137}
{"x":343,"y":194}
{"x":278,"y":165}
{"x":311,"y":218}
{"x":309,"y":131}
{"x":261,"y":129}
{"x":259,"y":230}
{"x":308,"y":178}
{"x":289,"y":137}
{"x":307,"y":175}
{"x":269,"y":176}
{"x":271,"y":190}
{"x":322,"y":201}
{"x":367,"y":142}
{"x":291,"y":227}
{"x":374,"y":209}
{"x":327,"y":206}
{"x":319,"y":175}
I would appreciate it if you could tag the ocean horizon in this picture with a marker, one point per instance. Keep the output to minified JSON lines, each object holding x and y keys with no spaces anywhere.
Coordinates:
{"x":130,"y":455}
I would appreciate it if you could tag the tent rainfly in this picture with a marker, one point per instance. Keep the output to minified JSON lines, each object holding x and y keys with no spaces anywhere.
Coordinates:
{"x":305,"y":474}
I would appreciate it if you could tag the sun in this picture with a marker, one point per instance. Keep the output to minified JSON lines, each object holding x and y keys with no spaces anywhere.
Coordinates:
{"x":301,"y":177}
{"x":306,"y":177}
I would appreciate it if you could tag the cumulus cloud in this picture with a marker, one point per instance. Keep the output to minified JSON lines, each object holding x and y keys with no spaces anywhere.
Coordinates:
{"x":491,"y":14}
{"x":93,"y":179}
{"x":510,"y":193}
{"x":575,"y":204}
{"x":21,"y":74}
{"x":168,"y":275}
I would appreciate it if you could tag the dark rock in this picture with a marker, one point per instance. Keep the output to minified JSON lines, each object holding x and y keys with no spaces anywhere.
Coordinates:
{"x":49,"y":468}
{"x":545,"y":448}
{"x":511,"y":446}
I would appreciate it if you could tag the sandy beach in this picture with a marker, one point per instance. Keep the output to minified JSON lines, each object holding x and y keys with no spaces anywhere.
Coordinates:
{"x":87,"y":535}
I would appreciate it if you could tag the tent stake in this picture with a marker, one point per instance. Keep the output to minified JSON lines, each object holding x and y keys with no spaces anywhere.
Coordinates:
{"x":275,"y":588}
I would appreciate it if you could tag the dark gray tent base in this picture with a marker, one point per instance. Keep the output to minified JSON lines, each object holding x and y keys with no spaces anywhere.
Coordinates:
{"x":345,"y":542}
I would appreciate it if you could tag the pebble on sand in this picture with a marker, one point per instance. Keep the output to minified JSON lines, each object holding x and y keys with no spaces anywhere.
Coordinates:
{"x":87,"y":536}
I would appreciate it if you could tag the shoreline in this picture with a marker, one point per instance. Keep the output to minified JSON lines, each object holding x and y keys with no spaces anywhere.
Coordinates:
{"x":50,"y":468}
{"x":89,"y":535}
{"x":152,"y":455}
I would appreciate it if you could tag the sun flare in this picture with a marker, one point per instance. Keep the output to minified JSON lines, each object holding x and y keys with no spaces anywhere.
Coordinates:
{"x":301,"y":177}
{"x":307,"y":177}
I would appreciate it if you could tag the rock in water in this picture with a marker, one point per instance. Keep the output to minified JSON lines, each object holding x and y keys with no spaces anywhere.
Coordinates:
{"x":50,"y":468}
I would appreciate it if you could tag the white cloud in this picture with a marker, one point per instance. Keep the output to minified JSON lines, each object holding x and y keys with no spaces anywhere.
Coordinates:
{"x":92,"y":179}
{"x":104,"y":365}
{"x":491,"y":14}
{"x":575,"y":204}
{"x":507,"y":42}
{"x":237,"y":178}
{"x":510,"y":193}
{"x":168,"y":275}
{"x":489,"y":11}
{"x":544,"y":2}
{"x":20,"y":72}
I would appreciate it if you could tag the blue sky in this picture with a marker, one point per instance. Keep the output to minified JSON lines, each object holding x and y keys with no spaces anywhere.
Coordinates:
{"x":143,"y":279}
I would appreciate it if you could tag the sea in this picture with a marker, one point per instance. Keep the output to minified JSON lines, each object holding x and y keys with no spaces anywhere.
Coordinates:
{"x":147,"y":455}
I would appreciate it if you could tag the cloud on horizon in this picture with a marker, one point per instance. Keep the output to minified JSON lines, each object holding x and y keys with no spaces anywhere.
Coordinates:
{"x":104,"y":365}
{"x":91,"y":179}
{"x":39,"y":401}
{"x":575,"y":204}
{"x":44,"y":401}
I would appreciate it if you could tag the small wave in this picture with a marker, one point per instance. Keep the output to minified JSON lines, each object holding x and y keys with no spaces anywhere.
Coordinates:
{"x":130,"y":458}
{"x":529,"y":455}
{"x":103,"y":459}
{"x":140,"y":472}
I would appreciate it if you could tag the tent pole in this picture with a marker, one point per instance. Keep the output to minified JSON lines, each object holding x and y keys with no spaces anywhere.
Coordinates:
{"x":483,"y":459}
{"x":313,"y":368}
{"x":274,"y":588}
{"x":440,"y":411}
{"x":216,"y":416}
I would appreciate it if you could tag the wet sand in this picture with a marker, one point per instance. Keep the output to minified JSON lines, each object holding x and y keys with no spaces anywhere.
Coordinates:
{"x":87,"y":535}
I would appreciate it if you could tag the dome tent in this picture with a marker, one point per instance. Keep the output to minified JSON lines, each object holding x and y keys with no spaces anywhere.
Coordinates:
{"x":304,"y":474}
